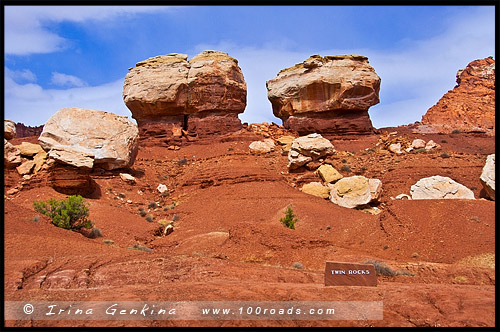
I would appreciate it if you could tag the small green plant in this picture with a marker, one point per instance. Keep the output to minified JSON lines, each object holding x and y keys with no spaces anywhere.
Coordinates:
{"x":289,"y":220}
{"x":69,"y":214}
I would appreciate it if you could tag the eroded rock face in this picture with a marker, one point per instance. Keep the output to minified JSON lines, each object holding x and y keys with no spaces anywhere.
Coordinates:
{"x":470,"y":106}
{"x":11,"y":155}
{"x":488,"y":176}
{"x":328,"y":95}
{"x":203,"y":96}
{"x":439,"y":187}
{"x":105,"y":139}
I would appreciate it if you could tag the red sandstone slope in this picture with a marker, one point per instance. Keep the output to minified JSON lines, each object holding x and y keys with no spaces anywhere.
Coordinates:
{"x":228,"y":243}
{"x":470,"y":106}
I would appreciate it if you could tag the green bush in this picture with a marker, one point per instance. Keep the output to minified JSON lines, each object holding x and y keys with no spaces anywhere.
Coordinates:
{"x":69,"y":214}
{"x":289,"y":220}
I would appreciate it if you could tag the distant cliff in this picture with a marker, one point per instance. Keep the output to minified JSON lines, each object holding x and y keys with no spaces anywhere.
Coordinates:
{"x":26,"y":131}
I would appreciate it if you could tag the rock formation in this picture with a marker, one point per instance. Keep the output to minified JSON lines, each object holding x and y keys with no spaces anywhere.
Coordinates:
{"x":27,"y":131}
{"x":440,"y":187}
{"x":78,"y":139}
{"x":488,"y":176}
{"x":109,"y":140}
{"x":470,"y":106}
{"x":11,"y":155}
{"x":9,"y":131}
{"x":171,"y":97}
{"x":328,"y":95}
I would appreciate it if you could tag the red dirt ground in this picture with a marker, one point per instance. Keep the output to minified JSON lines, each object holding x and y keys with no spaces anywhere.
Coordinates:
{"x":229,"y":245}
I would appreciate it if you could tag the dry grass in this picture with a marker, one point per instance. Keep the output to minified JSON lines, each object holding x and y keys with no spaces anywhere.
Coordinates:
{"x":482,"y":260}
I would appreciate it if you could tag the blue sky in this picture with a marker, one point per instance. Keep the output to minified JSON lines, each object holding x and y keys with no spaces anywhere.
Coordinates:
{"x":68,"y":56}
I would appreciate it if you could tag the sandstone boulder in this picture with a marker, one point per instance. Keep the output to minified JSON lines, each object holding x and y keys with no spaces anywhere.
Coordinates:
{"x":316,"y":189}
{"x":439,"y":187}
{"x":470,"y":106}
{"x":352,"y":191}
{"x":395,"y":148}
{"x":9,"y":129}
{"x":488,"y":176}
{"x":26,"y":167}
{"x":418,"y":143}
{"x":328,"y":95}
{"x":262,"y":146}
{"x":375,"y":189}
{"x":11,"y":155}
{"x":203,"y":96}
{"x":329,"y":174}
{"x":308,"y":148}
{"x":87,"y":138}
{"x":29,"y":149}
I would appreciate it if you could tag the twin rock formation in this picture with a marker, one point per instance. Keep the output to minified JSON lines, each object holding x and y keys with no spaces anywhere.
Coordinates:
{"x":171,"y":97}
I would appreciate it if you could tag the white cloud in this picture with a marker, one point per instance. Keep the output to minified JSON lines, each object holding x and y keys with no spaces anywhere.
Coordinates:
{"x":66,"y":80}
{"x":20,"y":76}
{"x":34,"y":105}
{"x":26,"y":30}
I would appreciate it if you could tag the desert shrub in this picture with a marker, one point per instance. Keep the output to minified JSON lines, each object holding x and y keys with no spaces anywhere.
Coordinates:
{"x":346,"y":168}
{"x":381,"y":268}
{"x":70,"y":214}
{"x":289,"y":220}
{"x":182,"y":162}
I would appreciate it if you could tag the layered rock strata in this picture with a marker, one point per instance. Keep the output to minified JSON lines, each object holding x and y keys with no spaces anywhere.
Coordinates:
{"x":328,"y":95}
{"x":171,"y":97}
